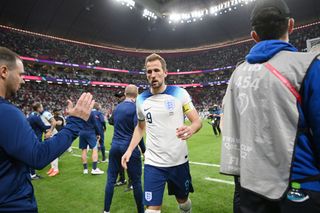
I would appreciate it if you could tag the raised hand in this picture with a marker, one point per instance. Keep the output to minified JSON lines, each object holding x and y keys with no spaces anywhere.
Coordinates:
{"x":83,"y":107}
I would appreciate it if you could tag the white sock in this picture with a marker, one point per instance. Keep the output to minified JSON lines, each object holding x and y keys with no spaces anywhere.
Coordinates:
{"x":152,"y":211}
{"x":185,"y":207}
{"x":54,"y":164}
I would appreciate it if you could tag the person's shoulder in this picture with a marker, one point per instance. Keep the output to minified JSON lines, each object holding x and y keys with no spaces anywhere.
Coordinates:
{"x":8,"y":110}
{"x":143,"y":96}
{"x":47,"y":114}
{"x":314,"y":68}
{"x":126,"y":105}
{"x":176,"y":91}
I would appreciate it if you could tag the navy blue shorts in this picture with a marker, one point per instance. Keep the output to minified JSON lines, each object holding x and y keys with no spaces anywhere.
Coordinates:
{"x":87,"y":138}
{"x":178,"y":179}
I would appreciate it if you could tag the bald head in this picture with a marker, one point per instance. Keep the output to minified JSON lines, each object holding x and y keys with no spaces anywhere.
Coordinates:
{"x":131,"y":91}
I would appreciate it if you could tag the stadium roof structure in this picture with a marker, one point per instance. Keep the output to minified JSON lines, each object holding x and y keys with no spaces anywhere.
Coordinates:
{"x":106,"y":22}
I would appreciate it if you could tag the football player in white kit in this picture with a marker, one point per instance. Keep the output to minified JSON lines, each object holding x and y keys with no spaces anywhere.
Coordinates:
{"x":161,"y":113}
{"x":48,"y":120}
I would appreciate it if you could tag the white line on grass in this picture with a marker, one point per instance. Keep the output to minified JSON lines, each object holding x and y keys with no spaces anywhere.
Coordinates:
{"x":77,"y":155}
{"x":204,"y":164}
{"x":191,"y":162}
{"x":219,"y":180}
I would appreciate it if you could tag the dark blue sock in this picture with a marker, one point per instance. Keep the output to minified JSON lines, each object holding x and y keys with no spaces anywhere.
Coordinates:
{"x":94,"y":165}
{"x":85,"y":166}
{"x":103,"y":152}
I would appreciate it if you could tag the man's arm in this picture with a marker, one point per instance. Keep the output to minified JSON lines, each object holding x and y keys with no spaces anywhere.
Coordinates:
{"x":136,"y":138}
{"x":20,"y":142}
{"x":53,"y":124}
{"x":186,"y":132}
{"x":311,"y":103}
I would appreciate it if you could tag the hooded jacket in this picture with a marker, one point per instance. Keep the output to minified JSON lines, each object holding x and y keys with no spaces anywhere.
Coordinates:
{"x":269,"y":139}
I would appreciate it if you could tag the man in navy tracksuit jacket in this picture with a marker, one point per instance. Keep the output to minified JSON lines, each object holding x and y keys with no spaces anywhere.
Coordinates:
{"x":19,"y":146}
{"x":38,"y":127}
{"x":125,"y":120}
{"x":101,"y":123}
{"x":35,"y":121}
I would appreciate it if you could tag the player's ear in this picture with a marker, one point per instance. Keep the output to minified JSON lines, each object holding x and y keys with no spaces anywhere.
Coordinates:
{"x":4,"y":72}
{"x":255,"y":36}
{"x":165,"y":73}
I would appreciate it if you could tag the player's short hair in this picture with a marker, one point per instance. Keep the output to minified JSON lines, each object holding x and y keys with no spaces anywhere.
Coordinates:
{"x":269,"y":19}
{"x":8,"y":57}
{"x":36,"y":106}
{"x":154,"y":57}
{"x":96,"y":106}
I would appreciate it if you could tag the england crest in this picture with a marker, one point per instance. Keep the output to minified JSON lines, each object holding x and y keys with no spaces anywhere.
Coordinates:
{"x":170,"y":104}
{"x":148,"y":196}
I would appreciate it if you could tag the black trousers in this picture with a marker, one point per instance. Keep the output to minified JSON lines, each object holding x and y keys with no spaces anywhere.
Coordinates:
{"x":216,"y":127}
{"x":250,"y":202}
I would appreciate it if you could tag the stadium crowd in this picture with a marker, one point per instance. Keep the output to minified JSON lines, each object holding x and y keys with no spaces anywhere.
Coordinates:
{"x":51,"y":49}
{"x":55,"y":95}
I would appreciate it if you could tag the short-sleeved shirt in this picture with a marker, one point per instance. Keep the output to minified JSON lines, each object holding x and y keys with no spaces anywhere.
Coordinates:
{"x":164,"y":113}
{"x":46,"y":117}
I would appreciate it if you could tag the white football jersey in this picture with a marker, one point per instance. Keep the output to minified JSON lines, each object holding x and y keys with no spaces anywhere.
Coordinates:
{"x":163,"y":114}
{"x":46,"y":117}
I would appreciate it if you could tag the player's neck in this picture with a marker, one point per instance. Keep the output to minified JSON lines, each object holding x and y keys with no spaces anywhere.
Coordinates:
{"x":130,"y":99}
{"x":159,"y":90}
{"x":2,"y":91}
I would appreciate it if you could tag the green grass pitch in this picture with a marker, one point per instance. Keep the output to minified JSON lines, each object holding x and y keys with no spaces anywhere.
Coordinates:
{"x":71,"y":191}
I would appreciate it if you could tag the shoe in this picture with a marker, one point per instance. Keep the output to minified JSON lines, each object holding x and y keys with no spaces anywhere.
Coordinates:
{"x":85,"y":171}
{"x":104,"y":161}
{"x":54,"y":173}
{"x":50,"y":171}
{"x":35,"y":177}
{"x":120,"y":183}
{"x":128,"y":189}
{"x":97,"y":171}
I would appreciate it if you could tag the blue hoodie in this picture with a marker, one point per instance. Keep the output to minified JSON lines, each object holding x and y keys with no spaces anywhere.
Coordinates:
{"x":21,"y":149}
{"x":306,"y":160}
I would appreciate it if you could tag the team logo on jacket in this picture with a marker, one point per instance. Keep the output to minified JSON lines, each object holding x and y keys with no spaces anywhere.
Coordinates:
{"x":148,"y":196}
{"x":243,"y":102}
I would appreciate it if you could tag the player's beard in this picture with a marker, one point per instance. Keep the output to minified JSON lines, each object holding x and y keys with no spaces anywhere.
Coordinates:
{"x":11,"y":93}
{"x":156,"y":84}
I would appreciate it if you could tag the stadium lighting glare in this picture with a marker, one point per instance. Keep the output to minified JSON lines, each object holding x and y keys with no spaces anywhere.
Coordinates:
{"x":189,"y":17}
{"x":128,"y":3}
{"x":149,"y":15}
{"x":228,"y":5}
